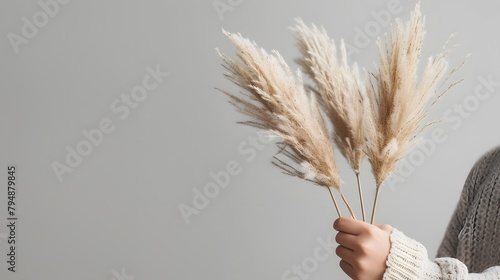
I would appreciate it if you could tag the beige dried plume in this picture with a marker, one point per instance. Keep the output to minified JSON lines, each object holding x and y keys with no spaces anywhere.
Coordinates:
{"x":340,"y":90}
{"x":399,"y":100}
{"x":276,"y":101}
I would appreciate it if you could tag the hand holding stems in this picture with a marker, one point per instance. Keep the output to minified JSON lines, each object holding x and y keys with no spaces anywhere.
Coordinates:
{"x":363,"y":248}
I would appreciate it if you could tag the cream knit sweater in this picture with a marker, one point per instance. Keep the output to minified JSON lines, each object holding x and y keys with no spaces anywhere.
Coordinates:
{"x":470,"y":248}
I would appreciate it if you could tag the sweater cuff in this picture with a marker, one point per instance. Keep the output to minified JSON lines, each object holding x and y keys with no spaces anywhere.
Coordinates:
{"x":407,"y":258}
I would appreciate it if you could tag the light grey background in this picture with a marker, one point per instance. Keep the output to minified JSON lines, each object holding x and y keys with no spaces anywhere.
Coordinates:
{"x":116,"y":215}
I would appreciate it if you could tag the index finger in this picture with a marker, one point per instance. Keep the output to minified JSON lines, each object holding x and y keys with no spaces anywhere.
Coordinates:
{"x":349,"y":225}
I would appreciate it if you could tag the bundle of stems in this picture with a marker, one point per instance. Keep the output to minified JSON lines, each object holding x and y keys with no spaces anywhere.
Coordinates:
{"x":399,"y":101}
{"x":276,"y":101}
{"x":340,"y":90}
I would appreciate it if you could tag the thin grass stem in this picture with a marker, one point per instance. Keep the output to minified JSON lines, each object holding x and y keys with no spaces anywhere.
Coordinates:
{"x":348,"y":206}
{"x":361,"y":201}
{"x":334,"y":202}
{"x":374,"y":205}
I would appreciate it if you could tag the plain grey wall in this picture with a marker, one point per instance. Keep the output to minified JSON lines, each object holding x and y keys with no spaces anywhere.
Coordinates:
{"x":116,"y":214}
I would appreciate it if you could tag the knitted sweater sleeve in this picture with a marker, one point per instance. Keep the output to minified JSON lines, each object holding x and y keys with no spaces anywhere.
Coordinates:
{"x":408,"y":260}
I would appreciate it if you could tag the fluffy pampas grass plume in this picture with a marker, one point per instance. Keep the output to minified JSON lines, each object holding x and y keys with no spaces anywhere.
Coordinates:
{"x":340,"y":90}
{"x":276,"y":101}
{"x":399,"y":100}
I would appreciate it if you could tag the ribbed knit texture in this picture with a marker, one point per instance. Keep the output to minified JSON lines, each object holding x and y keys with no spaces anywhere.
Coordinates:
{"x":470,"y":248}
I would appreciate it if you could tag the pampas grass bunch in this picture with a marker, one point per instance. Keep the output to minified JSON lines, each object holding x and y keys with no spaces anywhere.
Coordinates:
{"x":374,"y":115}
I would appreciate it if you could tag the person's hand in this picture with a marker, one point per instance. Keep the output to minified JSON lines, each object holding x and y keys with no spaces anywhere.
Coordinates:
{"x":363,"y":248}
